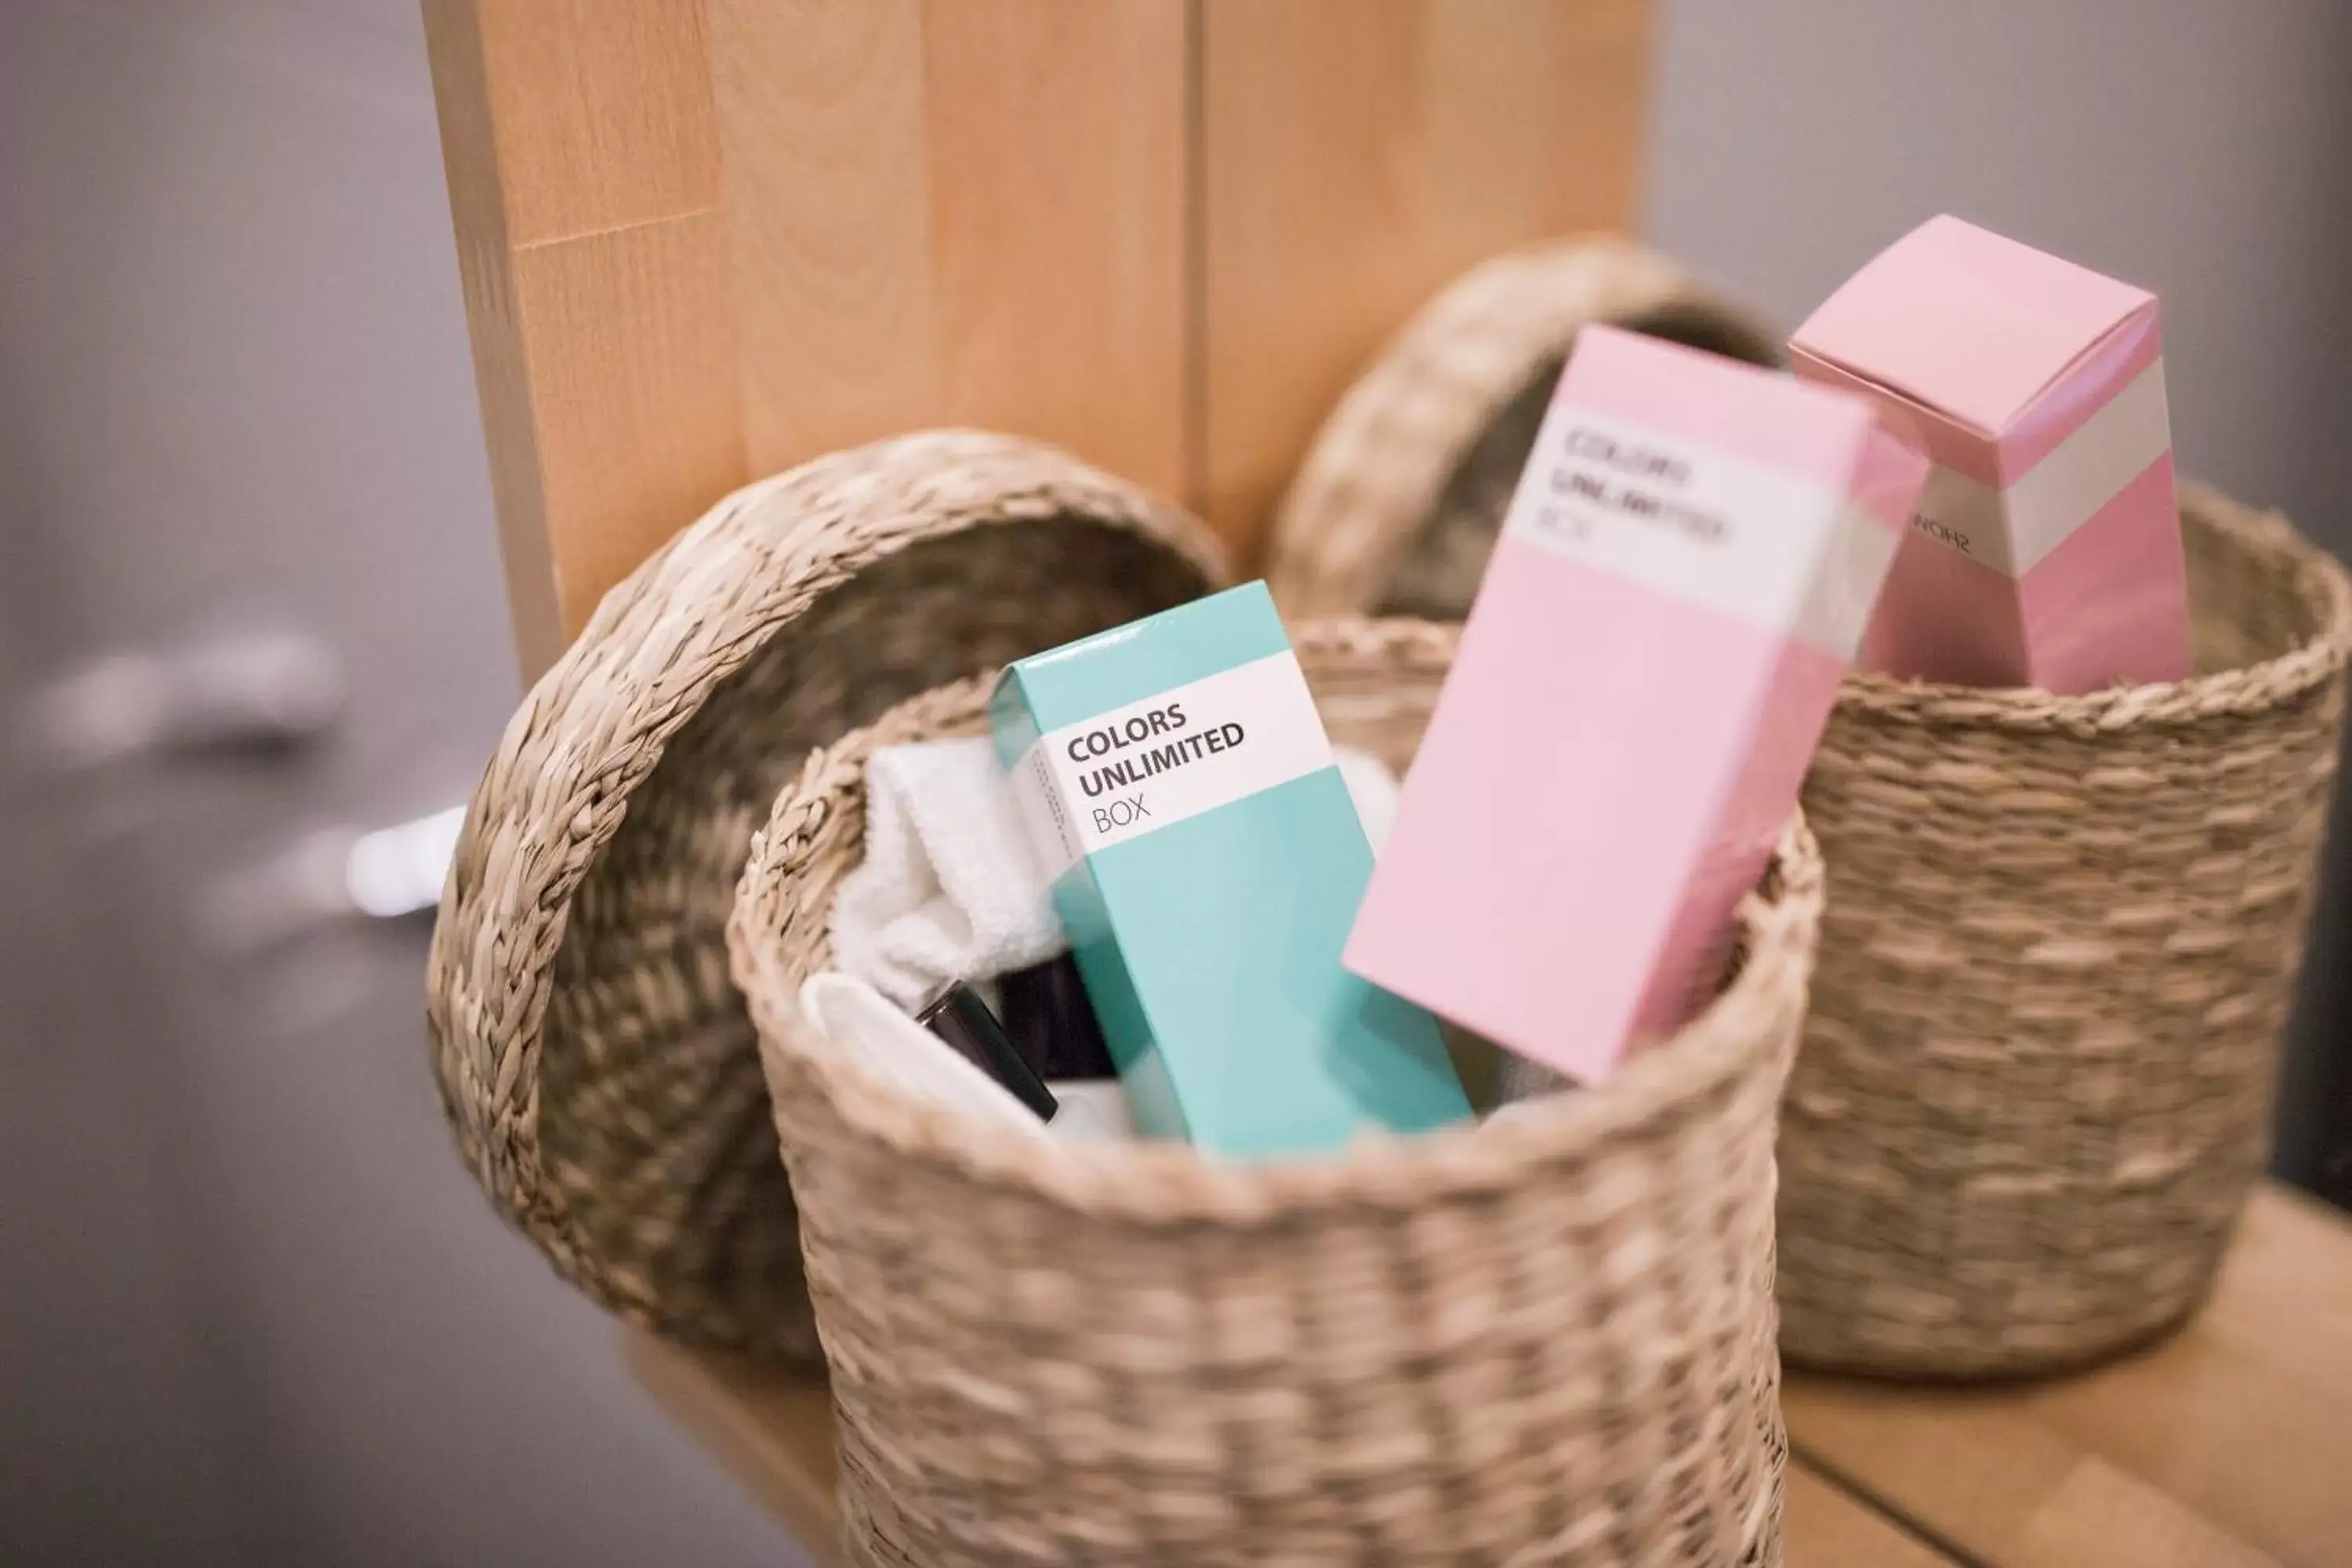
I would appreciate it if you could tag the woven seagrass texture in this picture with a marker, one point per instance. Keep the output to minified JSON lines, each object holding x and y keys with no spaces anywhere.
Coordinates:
{"x":2060,"y":943}
{"x":594,"y":1058}
{"x":1397,"y":505}
{"x":1547,"y":1339}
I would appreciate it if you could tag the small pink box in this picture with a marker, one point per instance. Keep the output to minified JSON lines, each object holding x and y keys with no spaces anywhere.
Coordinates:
{"x":1681,"y":578}
{"x":2046,"y":550}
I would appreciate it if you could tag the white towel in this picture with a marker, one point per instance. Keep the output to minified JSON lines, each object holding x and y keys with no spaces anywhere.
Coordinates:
{"x":950,"y":890}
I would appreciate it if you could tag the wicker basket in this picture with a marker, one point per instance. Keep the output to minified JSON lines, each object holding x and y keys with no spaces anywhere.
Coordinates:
{"x":1547,"y":1339}
{"x":2062,"y":935}
{"x":1396,"y":506}
{"x":2062,"y":939}
{"x":597,"y":1065}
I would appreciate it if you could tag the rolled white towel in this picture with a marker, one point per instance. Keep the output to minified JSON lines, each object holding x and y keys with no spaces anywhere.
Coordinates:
{"x":950,"y":888}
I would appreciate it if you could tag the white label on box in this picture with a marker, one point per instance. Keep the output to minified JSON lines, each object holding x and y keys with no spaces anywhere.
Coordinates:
{"x":1151,"y":764}
{"x":1773,"y":549}
{"x":2013,"y":531}
{"x":1845,"y":589}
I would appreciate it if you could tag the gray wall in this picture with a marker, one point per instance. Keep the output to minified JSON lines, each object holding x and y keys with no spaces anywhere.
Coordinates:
{"x":253,"y":1310}
{"x":2202,"y":148}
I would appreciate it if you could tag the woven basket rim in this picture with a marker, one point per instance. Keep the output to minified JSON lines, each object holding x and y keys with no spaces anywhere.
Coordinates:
{"x":583,"y":740}
{"x":2249,"y":689}
{"x":1426,"y":396}
{"x":1173,"y":1183}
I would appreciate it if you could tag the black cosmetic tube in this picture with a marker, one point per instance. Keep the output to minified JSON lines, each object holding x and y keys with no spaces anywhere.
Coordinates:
{"x":960,"y":1016}
{"x":1049,"y":1017}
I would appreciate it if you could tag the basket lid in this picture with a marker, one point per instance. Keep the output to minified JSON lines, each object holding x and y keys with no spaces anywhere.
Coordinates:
{"x":1398,"y":502}
{"x":596,"y":1062}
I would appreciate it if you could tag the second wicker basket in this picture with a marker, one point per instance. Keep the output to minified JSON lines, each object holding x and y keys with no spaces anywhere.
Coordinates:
{"x":2062,"y":940}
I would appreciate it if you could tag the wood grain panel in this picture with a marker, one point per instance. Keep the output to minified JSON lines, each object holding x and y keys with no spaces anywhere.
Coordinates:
{"x":1163,"y":233}
{"x":582,"y":159}
{"x":461,"y":91}
{"x":827,"y":177}
{"x":1357,"y":155}
{"x":631,"y":355}
{"x":700,"y":244}
{"x":1828,"y":1529}
{"x":602,"y":113}
{"x":2003,"y":1487}
{"x":1058,"y":218}
{"x":959,"y":212}
{"x":2247,"y":1416}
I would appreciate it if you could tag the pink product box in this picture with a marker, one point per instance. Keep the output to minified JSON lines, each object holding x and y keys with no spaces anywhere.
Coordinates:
{"x":1684,"y":574}
{"x":2046,"y":549}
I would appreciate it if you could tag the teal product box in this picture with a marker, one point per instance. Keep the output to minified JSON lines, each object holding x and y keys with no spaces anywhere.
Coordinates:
{"x":1207,"y":863}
